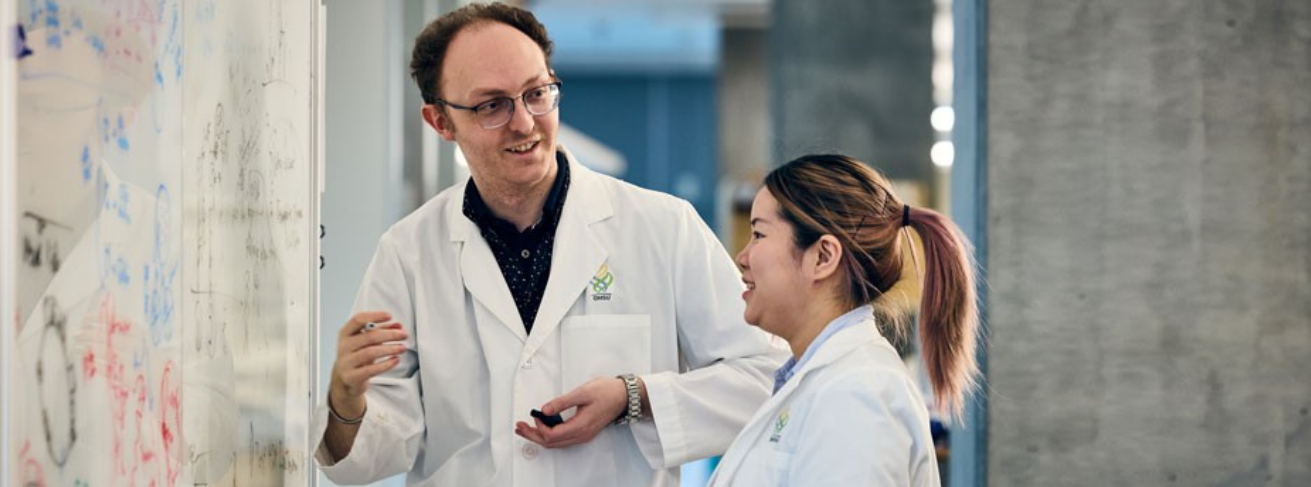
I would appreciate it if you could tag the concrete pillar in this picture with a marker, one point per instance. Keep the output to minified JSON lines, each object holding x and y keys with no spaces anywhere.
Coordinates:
{"x":854,"y":76}
{"x":1149,"y":236}
{"x":744,"y":123}
{"x":744,"y":129}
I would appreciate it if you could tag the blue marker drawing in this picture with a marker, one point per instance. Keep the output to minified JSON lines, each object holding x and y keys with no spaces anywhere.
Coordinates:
{"x":122,"y":139}
{"x":114,"y":267}
{"x":160,"y":272}
{"x":52,"y":24}
{"x":34,"y":7}
{"x":108,"y":204}
{"x":120,"y":272}
{"x":174,"y":44}
{"x":122,"y":203}
{"x":86,"y":164}
{"x":96,"y":43}
{"x":177,"y":61}
{"x":102,"y":186}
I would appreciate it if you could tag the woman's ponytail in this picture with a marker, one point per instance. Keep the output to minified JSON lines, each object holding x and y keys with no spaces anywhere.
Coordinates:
{"x":949,"y":311}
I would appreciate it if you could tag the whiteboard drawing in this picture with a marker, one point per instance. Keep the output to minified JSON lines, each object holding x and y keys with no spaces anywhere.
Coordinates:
{"x":164,"y":244}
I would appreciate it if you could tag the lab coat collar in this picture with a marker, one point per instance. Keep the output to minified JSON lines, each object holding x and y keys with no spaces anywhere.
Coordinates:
{"x":861,"y":334}
{"x":576,"y":257}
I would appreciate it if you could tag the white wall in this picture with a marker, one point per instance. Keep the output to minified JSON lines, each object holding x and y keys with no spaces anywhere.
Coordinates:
{"x":363,"y":156}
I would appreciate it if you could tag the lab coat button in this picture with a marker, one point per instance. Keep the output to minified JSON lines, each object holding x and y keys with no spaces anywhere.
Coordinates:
{"x":530,"y":451}
{"x":528,"y":364}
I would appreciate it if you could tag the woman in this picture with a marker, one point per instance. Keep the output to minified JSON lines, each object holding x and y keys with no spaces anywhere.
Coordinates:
{"x":827,"y":243}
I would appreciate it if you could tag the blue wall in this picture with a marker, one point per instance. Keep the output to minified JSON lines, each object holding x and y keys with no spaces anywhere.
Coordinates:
{"x":664,"y":124}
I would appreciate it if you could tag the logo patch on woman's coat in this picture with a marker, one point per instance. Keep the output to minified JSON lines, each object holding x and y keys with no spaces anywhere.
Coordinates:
{"x":779,"y":424}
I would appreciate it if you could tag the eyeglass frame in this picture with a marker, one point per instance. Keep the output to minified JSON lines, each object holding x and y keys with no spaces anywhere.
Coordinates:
{"x":559,"y":89}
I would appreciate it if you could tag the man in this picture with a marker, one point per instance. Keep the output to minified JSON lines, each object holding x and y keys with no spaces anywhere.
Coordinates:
{"x":534,"y":278}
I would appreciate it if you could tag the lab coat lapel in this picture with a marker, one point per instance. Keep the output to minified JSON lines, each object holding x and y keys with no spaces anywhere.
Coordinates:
{"x":839,"y":345}
{"x":577,"y":253}
{"x":753,"y":433}
{"x":862,"y":334}
{"x":480,"y":272}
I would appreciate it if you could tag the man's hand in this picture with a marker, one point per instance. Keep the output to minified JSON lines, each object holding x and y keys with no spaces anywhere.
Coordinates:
{"x":358,"y":355}
{"x":599,"y":402}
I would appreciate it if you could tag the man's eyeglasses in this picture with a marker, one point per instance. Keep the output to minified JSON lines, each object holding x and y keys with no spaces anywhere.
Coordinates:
{"x":497,"y":112}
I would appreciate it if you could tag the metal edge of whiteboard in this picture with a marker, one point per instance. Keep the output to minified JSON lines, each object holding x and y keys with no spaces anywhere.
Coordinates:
{"x":8,"y":206}
{"x":318,"y":49}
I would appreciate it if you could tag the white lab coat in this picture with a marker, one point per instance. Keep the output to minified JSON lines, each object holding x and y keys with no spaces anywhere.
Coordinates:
{"x":851,"y":416}
{"x":446,"y":413}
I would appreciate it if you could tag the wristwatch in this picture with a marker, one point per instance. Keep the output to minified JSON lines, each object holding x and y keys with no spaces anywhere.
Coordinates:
{"x":634,"y":411}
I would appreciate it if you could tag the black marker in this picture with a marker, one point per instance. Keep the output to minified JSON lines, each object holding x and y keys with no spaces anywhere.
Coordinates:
{"x":551,"y":421}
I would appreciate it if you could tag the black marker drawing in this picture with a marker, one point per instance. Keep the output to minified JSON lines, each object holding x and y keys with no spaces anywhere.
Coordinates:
{"x":60,"y":437}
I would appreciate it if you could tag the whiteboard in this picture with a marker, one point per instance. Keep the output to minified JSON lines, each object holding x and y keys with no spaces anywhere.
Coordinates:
{"x":161,"y":242}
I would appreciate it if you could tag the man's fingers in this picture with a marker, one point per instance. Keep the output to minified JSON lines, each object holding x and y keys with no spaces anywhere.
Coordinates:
{"x":563,"y":435}
{"x":359,"y":341}
{"x":361,"y":319}
{"x":547,"y":436}
{"x":530,"y":433}
{"x":373,"y":370}
{"x":573,"y":398}
{"x":366,"y":356}
{"x":360,"y":376}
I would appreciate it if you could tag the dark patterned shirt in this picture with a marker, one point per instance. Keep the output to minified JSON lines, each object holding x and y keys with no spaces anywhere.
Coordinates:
{"x":524,"y":258}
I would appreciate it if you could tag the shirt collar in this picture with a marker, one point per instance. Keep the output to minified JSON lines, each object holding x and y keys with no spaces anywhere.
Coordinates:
{"x":790,"y":368}
{"x":475,"y":208}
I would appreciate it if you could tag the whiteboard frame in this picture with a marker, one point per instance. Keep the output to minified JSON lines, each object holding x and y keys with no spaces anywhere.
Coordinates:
{"x":8,"y":221}
{"x":318,"y":49}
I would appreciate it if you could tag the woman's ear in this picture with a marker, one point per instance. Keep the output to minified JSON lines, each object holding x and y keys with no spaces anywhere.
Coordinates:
{"x":826,"y":258}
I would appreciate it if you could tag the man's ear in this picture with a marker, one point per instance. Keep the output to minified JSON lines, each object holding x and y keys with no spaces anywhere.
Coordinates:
{"x":827,"y":258}
{"x":436,"y":118}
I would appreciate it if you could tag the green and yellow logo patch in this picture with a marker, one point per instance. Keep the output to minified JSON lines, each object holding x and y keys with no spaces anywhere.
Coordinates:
{"x":601,"y":283}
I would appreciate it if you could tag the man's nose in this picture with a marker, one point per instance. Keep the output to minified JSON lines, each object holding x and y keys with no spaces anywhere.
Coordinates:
{"x":521,"y":121}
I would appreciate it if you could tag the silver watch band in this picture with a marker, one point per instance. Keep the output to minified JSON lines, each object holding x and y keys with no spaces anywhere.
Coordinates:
{"x":634,"y":400}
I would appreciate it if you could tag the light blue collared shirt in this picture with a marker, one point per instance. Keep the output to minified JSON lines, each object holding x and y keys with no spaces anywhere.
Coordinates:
{"x":790,"y":368}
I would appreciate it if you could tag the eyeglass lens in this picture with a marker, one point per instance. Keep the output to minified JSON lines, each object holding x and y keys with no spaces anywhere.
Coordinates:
{"x":538,"y":101}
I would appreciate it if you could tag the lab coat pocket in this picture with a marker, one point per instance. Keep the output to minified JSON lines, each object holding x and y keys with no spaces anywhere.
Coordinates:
{"x":594,"y":346}
{"x":764,"y":467}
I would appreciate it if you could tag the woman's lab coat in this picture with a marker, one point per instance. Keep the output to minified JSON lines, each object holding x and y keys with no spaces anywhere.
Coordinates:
{"x":638,"y":284}
{"x":851,"y":416}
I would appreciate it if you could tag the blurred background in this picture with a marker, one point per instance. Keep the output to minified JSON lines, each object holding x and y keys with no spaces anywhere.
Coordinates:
{"x":1135,"y":178}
